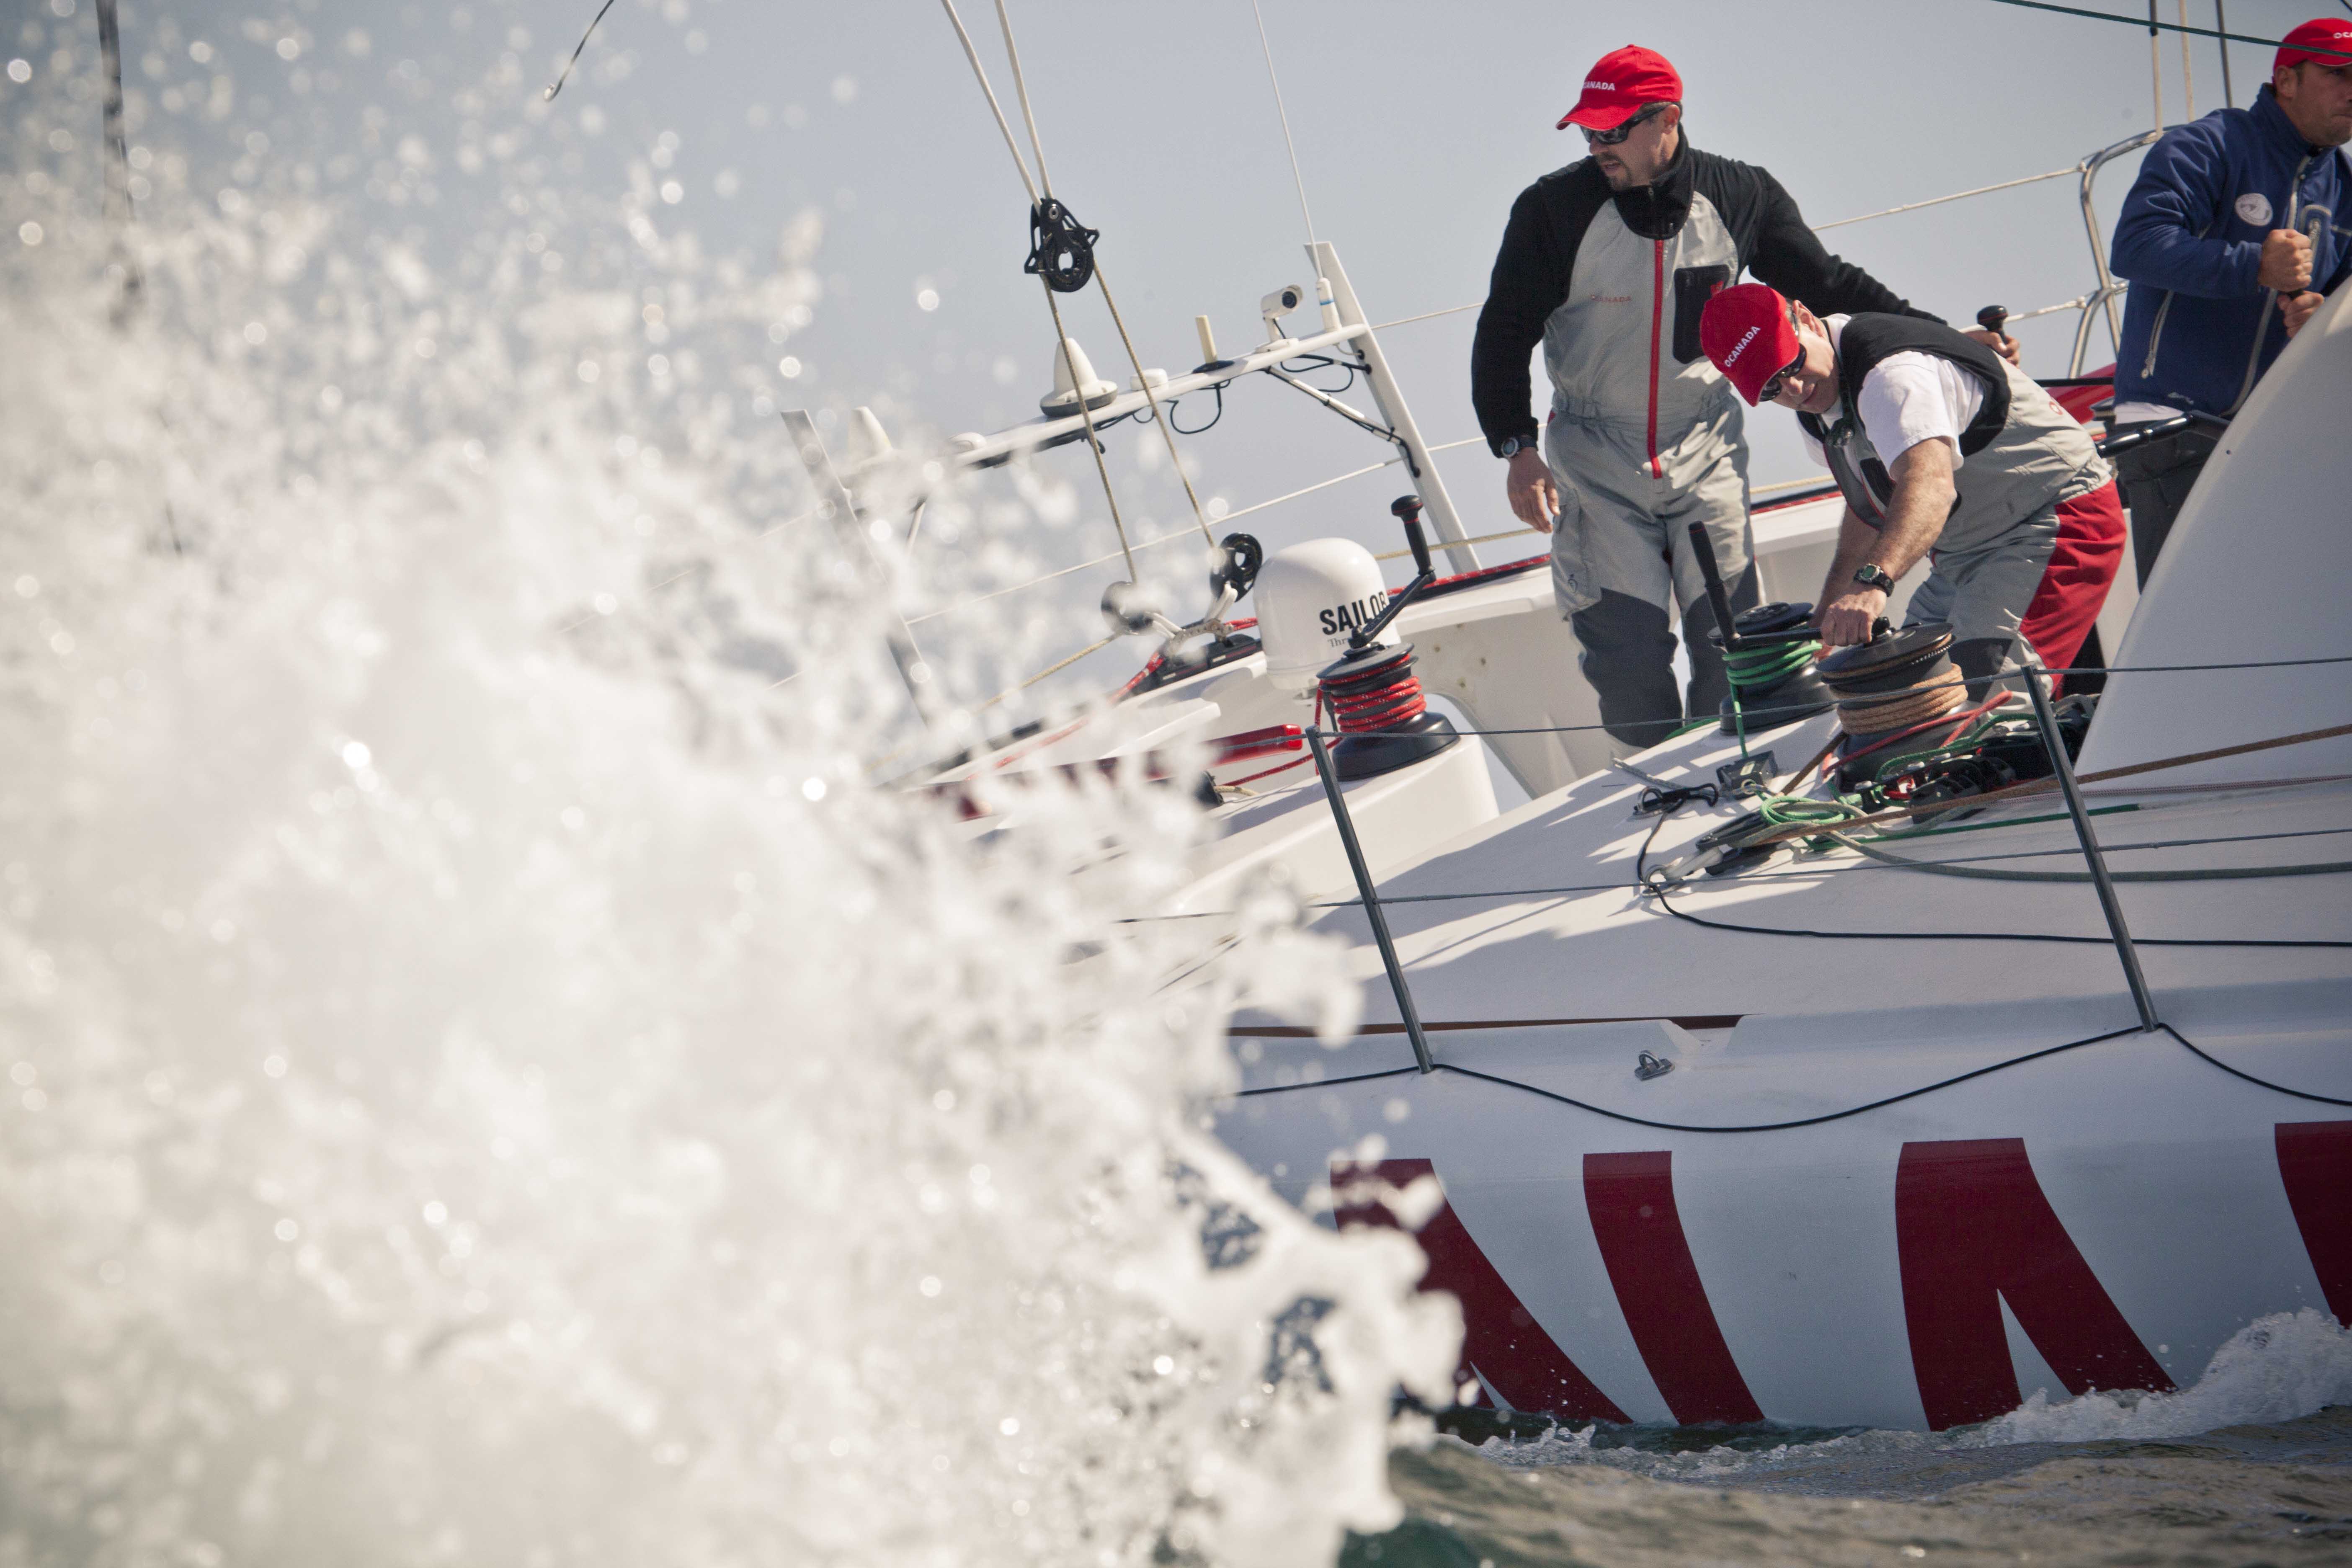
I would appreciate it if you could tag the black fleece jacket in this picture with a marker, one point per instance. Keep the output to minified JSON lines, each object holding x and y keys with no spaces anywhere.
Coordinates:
{"x":1538,"y":259}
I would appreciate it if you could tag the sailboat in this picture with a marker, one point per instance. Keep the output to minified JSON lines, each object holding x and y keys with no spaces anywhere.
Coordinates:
{"x":1786,"y":1071}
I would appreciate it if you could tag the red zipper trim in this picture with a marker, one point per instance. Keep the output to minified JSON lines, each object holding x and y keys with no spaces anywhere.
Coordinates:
{"x":1658,"y":318}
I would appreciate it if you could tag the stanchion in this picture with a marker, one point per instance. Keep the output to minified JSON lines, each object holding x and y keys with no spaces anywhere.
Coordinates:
{"x":1371,"y":901}
{"x":2062,"y":767}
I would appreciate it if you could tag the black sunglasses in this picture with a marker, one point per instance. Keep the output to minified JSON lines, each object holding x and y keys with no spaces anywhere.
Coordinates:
{"x":1611,"y":138}
{"x":1771,"y":389}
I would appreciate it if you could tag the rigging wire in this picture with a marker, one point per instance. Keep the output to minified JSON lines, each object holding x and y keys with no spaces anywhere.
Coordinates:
{"x":2221,"y":20}
{"x":2153,"y":25}
{"x":565,"y":74}
{"x":1043,"y":208}
{"x":118,"y":169}
{"x":1160,"y":416}
{"x":1296,"y":178}
{"x":995,"y":108}
{"x":2188,"y":82}
{"x":1021,"y":89}
{"x":1086,"y":415}
{"x":1939,"y":201}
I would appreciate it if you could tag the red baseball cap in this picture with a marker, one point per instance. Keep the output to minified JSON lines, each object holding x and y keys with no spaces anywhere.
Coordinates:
{"x":1745,"y":330}
{"x":2332,"y":35}
{"x":1621,"y":83}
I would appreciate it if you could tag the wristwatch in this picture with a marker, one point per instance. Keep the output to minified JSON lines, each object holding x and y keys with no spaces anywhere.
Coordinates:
{"x":1514,"y":445}
{"x":1874,"y":576}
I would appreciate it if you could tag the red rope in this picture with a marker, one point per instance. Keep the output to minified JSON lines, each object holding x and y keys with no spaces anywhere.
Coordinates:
{"x":1385,"y":697}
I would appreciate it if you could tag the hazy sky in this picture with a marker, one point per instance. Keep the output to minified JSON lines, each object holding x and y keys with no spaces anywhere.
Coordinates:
{"x":1416,"y":125}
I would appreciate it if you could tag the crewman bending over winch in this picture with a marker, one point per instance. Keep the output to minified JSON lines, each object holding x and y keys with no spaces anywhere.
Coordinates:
{"x":1940,"y":450}
{"x":1607,"y":263}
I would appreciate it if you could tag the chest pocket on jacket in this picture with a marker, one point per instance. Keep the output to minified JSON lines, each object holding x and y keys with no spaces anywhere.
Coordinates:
{"x":1693,"y":287}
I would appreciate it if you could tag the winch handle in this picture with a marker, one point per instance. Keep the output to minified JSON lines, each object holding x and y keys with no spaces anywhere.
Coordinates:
{"x":1704,"y":549}
{"x":1407,"y":510}
{"x":1993,"y":319}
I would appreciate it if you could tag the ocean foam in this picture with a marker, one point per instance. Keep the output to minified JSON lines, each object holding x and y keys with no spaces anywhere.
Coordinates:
{"x":489,"y":1076}
{"x":2274,"y":1369}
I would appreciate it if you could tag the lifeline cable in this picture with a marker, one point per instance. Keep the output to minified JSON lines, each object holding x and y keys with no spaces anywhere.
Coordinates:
{"x":1813,"y":873}
{"x":1826,"y":1116}
{"x":2184,"y":874}
{"x":1666,"y":903}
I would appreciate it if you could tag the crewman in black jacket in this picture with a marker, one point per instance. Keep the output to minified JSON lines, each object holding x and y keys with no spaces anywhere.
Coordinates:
{"x":1609,"y":263}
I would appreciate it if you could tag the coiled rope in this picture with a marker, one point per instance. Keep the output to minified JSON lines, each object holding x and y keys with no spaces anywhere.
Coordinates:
{"x":1382,"y":696}
{"x":1760,"y":669}
{"x":1875,"y":715}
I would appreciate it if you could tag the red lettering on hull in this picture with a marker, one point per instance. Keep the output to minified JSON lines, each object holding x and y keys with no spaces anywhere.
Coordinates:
{"x":1973,"y":1229}
{"x":1500,"y":1338}
{"x":2315,"y":1164}
{"x":1630,"y":1198}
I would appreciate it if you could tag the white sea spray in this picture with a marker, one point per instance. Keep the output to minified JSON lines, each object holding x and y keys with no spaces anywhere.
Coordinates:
{"x":2274,"y":1369}
{"x":491,"y":1075}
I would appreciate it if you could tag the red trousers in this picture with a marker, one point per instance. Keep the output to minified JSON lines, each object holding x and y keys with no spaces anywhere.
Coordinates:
{"x":2083,"y":565}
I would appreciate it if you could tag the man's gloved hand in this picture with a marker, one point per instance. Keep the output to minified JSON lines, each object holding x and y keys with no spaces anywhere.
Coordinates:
{"x":2004,"y":345}
{"x":2297,"y":308}
{"x":2286,"y":261}
{"x":1535,"y":499}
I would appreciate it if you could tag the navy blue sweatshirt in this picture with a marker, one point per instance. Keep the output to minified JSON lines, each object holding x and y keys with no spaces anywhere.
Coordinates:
{"x":2191,"y":241}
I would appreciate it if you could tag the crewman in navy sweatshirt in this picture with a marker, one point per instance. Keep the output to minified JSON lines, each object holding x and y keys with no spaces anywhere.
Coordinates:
{"x":2233,"y":233}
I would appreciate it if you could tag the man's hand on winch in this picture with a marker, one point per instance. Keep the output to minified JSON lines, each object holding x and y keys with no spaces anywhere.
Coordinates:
{"x":1850,"y":616}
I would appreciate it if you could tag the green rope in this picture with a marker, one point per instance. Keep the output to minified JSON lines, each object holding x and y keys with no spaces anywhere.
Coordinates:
{"x":2197,"y":874}
{"x":1752,"y":668}
{"x":1753,"y":671}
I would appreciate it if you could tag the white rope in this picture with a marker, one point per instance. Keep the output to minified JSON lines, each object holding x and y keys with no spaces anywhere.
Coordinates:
{"x":2188,"y":85}
{"x":1956,"y":195}
{"x":1049,"y":670}
{"x":961,"y":604}
{"x":1296,"y":177}
{"x":1351,"y":474}
{"x":993,"y":107}
{"x":2076,"y":304}
{"x":1797,"y":484}
{"x":1021,"y":88}
{"x":1481,"y":539}
{"x":1425,"y":316}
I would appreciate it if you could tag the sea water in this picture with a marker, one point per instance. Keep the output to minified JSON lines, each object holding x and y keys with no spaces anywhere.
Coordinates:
{"x":494,"y":1073}
{"x":2251,"y":1464}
